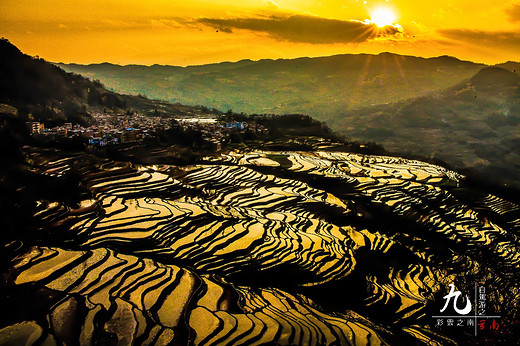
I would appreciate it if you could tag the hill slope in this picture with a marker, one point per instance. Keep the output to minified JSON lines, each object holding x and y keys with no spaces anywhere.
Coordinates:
{"x":43,"y":92}
{"x":473,"y":124}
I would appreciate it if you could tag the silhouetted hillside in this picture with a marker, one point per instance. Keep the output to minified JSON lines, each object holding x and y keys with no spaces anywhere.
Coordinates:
{"x":41,"y":91}
{"x":44,"y":92}
{"x":473,"y":124}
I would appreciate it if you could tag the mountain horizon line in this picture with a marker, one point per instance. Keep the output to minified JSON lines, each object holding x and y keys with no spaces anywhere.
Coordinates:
{"x":444,"y":56}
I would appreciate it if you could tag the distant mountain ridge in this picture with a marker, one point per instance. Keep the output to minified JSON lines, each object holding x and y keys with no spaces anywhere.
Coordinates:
{"x":511,"y":66}
{"x":315,"y":86}
{"x":494,"y":76}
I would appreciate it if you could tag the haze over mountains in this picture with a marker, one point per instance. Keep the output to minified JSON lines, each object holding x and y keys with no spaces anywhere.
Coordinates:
{"x":474,"y":124}
{"x":464,"y":113}
{"x":315,"y":86}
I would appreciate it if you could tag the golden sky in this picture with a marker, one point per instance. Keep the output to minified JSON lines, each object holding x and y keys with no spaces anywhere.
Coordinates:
{"x":197,"y":32}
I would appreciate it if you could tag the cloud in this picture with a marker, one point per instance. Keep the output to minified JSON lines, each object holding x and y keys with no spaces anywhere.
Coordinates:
{"x":514,"y":13}
{"x":271,"y":4}
{"x":491,"y":39}
{"x":164,"y":23}
{"x":304,"y":28}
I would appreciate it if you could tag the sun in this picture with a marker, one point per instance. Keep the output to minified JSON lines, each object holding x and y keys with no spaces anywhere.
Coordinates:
{"x":382,"y":16}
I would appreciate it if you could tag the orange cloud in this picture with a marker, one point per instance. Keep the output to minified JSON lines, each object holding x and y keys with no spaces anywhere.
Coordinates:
{"x":514,"y":13}
{"x":497,"y":40}
{"x":304,"y":28}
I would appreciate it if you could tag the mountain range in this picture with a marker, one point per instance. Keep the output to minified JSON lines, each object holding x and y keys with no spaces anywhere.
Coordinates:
{"x":463,"y":113}
{"x":315,"y":86}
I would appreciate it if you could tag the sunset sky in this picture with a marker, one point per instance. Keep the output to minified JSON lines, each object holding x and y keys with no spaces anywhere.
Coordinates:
{"x":198,"y":32}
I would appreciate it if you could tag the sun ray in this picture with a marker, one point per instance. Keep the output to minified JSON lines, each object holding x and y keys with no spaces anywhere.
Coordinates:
{"x":382,"y":16}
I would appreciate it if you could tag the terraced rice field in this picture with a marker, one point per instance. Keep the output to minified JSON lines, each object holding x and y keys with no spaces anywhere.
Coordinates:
{"x":260,"y":248}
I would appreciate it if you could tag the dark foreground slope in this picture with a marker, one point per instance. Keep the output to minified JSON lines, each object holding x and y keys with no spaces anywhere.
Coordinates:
{"x":40,"y":91}
{"x":474,"y":124}
{"x":257,"y":247}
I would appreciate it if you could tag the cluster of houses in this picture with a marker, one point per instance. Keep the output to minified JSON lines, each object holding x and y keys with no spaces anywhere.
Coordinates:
{"x":107,"y":129}
{"x":111,"y":129}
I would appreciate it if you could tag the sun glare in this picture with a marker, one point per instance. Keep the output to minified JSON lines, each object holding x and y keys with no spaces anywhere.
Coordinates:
{"x":382,"y":17}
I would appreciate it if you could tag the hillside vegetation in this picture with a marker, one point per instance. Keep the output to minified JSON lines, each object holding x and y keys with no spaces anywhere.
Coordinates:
{"x":475,"y":124}
{"x":40,"y":91}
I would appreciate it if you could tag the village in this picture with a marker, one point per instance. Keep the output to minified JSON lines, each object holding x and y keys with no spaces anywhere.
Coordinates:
{"x":110,"y":129}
